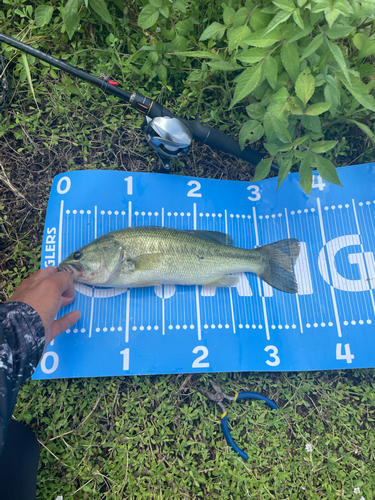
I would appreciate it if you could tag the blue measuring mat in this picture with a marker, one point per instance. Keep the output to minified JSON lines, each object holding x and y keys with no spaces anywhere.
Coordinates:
{"x":250,"y":327}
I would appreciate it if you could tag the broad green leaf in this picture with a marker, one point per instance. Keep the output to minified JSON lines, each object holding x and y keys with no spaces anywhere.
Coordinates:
{"x":43,"y":14}
{"x":301,"y":3}
{"x":222,"y":66}
{"x":366,"y":69}
{"x":367,"y":100}
{"x":262,"y":169}
{"x":268,"y":127}
{"x":156,"y":3}
{"x":305,"y":172}
{"x":277,"y":109}
{"x":339,"y":31}
{"x":100,"y":7}
{"x":300,"y":140}
{"x":360,"y":40}
{"x":322,"y":5}
{"x":70,"y":16}
{"x":258,"y":39}
{"x":162,"y":72}
{"x":281,"y":95}
{"x":199,"y":53}
{"x":285,"y":5}
{"x":256,"y":111}
{"x":272,"y":148}
{"x":184,"y":27}
{"x":246,"y":83}
{"x":259,"y":20}
{"x":322,"y":146}
{"x":331,"y":15}
{"x":270,"y":67}
{"x":195,"y":76}
{"x":153,"y":57}
{"x":331,"y":95}
{"x":252,"y":131}
{"x":367,"y":50}
{"x":337,"y":54}
{"x":295,"y":109}
{"x":305,"y":86}
{"x":228,"y":15}
{"x":318,"y":108}
{"x":179,"y":5}
{"x":282,"y":133}
{"x":164,"y":11}
{"x":214,"y":31}
{"x":241,"y":17}
{"x":326,"y":170}
{"x":298,"y":19}
{"x":251,"y":56}
{"x":280,"y":17}
{"x":148,"y":16}
{"x":312,"y":123}
{"x":344,"y":7}
{"x":290,"y":60}
{"x":295,"y":33}
{"x":285,"y":166}
{"x":364,"y":129}
{"x":313,"y":46}
{"x":236,"y":36}
{"x":179,"y":43}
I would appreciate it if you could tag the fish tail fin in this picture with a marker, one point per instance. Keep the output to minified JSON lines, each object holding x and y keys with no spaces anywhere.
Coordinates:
{"x":279,"y":259}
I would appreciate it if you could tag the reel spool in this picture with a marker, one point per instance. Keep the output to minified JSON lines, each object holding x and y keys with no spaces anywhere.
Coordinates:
{"x":169,"y":137}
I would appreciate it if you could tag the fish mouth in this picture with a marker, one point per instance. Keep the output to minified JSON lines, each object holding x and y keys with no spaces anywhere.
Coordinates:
{"x":75,"y":269}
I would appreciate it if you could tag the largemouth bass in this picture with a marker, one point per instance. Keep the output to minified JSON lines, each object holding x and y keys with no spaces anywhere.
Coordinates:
{"x":150,"y":256}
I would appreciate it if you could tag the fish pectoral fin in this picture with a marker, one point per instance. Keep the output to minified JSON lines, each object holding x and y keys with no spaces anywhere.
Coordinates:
{"x":224,"y":280}
{"x":116,"y":269}
{"x":148,"y":261}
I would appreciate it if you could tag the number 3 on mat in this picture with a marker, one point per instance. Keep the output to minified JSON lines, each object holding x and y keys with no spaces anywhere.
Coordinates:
{"x":273,"y":355}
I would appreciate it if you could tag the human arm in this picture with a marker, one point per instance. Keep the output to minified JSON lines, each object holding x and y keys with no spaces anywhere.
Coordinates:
{"x":27,"y":326}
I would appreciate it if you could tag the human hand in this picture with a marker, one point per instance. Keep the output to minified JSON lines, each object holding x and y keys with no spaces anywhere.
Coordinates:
{"x":47,"y":291}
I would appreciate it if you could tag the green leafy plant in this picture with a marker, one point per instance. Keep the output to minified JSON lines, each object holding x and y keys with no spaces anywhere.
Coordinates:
{"x":284,"y":74}
{"x":297,"y":68}
{"x":302,"y":66}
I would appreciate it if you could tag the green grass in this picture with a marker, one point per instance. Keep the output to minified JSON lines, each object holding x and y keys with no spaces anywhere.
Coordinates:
{"x":143,"y":437}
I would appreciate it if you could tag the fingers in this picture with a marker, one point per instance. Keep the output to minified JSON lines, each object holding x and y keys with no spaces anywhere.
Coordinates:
{"x":64,"y":280}
{"x":62,"y":324}
{"x":65,"y":301}
{"x":42,"y":273}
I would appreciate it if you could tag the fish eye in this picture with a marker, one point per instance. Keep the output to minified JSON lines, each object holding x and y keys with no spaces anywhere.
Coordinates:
{"x":77,"y":255}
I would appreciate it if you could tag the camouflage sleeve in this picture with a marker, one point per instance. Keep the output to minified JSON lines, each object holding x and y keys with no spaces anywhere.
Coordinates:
{"x":21,"y":346}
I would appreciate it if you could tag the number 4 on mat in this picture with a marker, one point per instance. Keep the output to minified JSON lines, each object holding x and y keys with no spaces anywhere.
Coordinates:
{"x":348,"y":355}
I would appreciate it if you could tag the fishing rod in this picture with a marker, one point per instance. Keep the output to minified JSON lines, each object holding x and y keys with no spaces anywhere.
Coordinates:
{"x":169,"y":135}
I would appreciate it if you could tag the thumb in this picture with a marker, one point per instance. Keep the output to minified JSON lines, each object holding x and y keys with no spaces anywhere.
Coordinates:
{"x":62,"y":324}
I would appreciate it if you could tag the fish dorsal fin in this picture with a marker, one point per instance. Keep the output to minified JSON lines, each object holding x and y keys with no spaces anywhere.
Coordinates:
{"x":147,"y":261}
{"x":214,"y":236}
